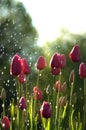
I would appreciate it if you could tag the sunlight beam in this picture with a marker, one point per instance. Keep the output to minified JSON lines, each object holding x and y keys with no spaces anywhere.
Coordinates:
{"x":49,"y":16}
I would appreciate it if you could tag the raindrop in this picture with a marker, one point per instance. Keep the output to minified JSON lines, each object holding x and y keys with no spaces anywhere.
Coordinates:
{"x":4,"y":67}
{"x":56,"y":107}
{"x":2,"y":73}
{"x":8,"y":81}
{"x":80,"y":89}
{"x":13,"y":118}
{"x":81,"y":97}
{"x":3,"y":105}
{"x":40,"y":74}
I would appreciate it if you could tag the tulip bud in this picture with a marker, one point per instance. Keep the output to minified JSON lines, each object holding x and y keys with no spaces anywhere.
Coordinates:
{"x":63,"y":87}
{"x":37,"y":93}
{"x":15,"y":68}
{"x":55,"y":71}
{"x":72,"y":76}
{"x":45,"y":110}
{"x":25,"y":66}
{"x":22,"y":103}
{"x":62,"y":101}
{"x":82,"y":70}
{"x":75,"y":54}
{"x":55,"y":61}
{"x":58,"y":86}
{"x":5,"y":123}
{"x":3,"y":94}
{"x":41,"y":63}
{"x":63,"y":61}
{"x":74,"y":98}
{"x":22,"y":78}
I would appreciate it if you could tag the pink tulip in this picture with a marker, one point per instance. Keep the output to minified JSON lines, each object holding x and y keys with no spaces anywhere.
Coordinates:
{"x":75,"y":54}
{"x":82,"y":70}
{"x":63,"y":61}
{"x":45,"y":110}
{"x":25,"y":66}
{"x":58,"y":86}
{"x":41,"y":63}
{"x":55,"y":71}
{"x":55,"y":61}
{"x":22,"y":103}
{"x":15,"y":68}
{"x":5,"y":123}
{"x":37,"y":93}
{"x":22,"y":78}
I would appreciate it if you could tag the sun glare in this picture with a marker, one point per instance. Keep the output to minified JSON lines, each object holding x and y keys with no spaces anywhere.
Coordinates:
{"x":49,"y":16}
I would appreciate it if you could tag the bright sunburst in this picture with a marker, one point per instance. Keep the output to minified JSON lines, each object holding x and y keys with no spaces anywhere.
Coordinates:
{"x":49,"y":16}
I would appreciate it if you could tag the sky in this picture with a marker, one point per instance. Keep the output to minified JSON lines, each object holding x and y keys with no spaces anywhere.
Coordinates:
{"x":50,"y":16}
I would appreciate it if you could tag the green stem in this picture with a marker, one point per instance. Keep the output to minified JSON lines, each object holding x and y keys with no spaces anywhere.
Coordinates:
{"x":71,"y":92}
{"x":3,"y":107}
{"x":57,"y":101}
{"x":37,"y":84}
{"x":84,"y":121}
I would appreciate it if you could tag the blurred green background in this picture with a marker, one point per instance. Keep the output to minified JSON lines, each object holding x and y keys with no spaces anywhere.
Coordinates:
{"x":18,"y":35}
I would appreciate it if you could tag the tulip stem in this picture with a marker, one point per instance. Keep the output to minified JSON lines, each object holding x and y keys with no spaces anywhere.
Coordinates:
{"x":71,"y":92}
{"x":57,"y":101}
{"x":3,"y":107}
{"x":37,"y":85}
{"x":84,"y":121}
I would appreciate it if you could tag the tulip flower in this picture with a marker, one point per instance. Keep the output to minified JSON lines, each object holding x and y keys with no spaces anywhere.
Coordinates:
{"x":62,"y":101}
{"x":63,"y":61}
{"x":15,"y":68}
{"x":25,"y":66}
{"x":75,"y":54}
{"x":22,"y":103}
{"x":37,"y":93}
{"x":22,"y":78}
{"x":41,"y":63}
{"x":82,"y":70}
{"x":72,"y":76}
{"x":58,"y":86}
{"x":55,"y":71}
{"x":5,"y":123}
{"x":45,"y":110}
{"x":63,"y":87}
{"x":3,"y":94}
{"x":55,"y":61}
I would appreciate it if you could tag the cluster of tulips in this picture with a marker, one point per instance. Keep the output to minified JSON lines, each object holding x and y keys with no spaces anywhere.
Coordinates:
{"x":20,"y":69}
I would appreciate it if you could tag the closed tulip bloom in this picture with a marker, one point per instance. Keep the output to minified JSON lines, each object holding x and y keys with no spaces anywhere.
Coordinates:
{"x":55,"y":61}
{"x":5,"y":123}
{"x":3,"y":94}
{"x":45,"y":110}
{"x":62,"y":101}
{"x":55,"y":71}
{"x":58,"y":86}
{"x":82,"y":70}
{"x":22,"y":78}
{"x":15,"y":68}
{"x":72,"y":76}
{"x":75,"y":54}
{"x":63,"y":87}
{"x":63,"y":61}
{"x":37,"y":93}
{"x":41,"y":63}
{"x":25,"y":66}
{"x":22,"y":103}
